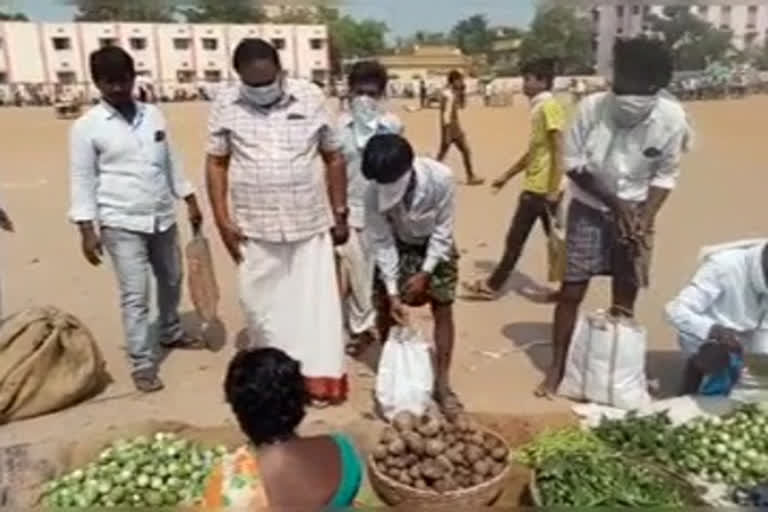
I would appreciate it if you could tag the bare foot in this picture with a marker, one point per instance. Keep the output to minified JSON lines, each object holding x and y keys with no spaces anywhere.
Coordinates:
{"x":480,"y":290}
{"x":547,"y":389}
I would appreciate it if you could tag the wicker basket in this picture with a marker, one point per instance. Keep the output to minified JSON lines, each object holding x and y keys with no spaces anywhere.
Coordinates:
{"x":394,"y":493}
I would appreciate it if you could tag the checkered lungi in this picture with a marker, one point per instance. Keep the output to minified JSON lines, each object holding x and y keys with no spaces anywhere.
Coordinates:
{"x":594,"y":248}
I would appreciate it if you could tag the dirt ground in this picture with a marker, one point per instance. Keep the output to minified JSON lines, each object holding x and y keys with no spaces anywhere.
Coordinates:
{"x":502,"y":346}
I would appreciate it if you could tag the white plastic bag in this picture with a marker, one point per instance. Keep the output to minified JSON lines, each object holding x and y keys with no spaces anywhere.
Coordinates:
{"x":606,"y":363}
{"x":405,"y":378}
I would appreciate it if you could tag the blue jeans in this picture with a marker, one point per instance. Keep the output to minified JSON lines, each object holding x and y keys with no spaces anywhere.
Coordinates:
{"x":133,"y":255}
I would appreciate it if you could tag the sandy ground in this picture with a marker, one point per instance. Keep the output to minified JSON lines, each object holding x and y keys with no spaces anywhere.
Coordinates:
{"x":502,"y":347}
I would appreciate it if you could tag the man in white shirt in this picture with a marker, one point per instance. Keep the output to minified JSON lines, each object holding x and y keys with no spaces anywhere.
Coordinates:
{"x":622,"y":155}
{"x":722,"y":307}
{"x":367,"y":117}
{"x":411,"y":208}
{"x":124,"y":184}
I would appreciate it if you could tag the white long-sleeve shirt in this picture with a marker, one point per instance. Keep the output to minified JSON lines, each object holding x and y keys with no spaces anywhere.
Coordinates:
{"x":428,"y":221}
{"x":124,"y":175}
{"x":723,"y":292}
{"x":627,"y":161}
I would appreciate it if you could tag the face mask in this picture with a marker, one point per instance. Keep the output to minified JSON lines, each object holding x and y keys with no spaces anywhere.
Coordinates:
{"x":264,"y":95}
{"x":365,"y":110}
{"x":629,"y":110}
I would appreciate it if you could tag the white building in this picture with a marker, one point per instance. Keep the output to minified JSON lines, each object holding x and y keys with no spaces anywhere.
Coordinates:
{"x":171,"y":56}
{"x":748,"y":19}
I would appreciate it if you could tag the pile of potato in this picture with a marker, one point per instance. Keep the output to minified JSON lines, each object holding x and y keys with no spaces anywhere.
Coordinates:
{"x":432,"y":453}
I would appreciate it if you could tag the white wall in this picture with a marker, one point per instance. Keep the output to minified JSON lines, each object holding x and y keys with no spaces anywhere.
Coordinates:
{"x":308,"y":60}
{"x":25,"y":57}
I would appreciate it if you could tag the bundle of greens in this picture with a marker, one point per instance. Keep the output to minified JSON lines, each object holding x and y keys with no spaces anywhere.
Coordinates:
{"x":164,"y":471}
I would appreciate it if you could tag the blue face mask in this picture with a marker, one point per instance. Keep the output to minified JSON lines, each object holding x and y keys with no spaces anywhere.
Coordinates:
{"x":263,"y":95}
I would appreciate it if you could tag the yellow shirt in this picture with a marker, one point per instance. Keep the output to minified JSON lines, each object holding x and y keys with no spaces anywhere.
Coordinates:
{"x":548,"y":115}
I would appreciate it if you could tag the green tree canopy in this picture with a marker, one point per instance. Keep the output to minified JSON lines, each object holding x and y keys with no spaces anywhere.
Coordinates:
{"x":694,"y":41}
{"x":559,"y":32}
{"x":472,"y":35}
{"x":222,"y":11}
{"x":123,"y":10}
{"x":358,"y":38}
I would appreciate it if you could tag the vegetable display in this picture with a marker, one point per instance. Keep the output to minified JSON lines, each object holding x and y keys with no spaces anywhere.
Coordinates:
{"x":430,"y":453}
{"x":163,"y":471}
{"x":574,"y":468}
{"x":731,"y":450}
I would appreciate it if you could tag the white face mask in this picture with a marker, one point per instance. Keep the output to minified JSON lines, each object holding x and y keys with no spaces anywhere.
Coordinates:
{"x":629,"y":110}
{"x":264,"y":95}
{"x":365,"y":110}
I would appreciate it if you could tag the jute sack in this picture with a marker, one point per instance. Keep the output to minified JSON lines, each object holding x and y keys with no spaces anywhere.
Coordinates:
{"x":48,"y":361}
{"x":203,"y":288}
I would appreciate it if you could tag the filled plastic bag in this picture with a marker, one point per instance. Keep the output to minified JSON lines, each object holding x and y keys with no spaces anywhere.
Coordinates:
{"x":201,"y":279}
{"x":556,"y":253}
{"x":606,"y":363}
{"x":405,"y":379}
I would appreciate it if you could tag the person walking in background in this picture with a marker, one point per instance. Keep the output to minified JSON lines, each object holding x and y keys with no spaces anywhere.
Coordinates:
{"x":719,"y":312}
{"x":622,"y":153}
{"x":543,"y":170}
{"x":452,"y":100}
{"x":265,"y":140}
{"x":6,"y":224}
{"x":411,"y":208}
{"x":124,"y":180}
{"x":367,"y":117}
{"x":422,"y":93}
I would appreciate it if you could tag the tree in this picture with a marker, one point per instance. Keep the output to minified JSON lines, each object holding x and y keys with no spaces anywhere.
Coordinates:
{"x":472,"y":36}
{"x":16,"y":16}
{"x":559,"y":32}
{"x":158,"y":11}
{"x":694,"y":41}
{"x":222,"y":11}
{"x":358,"y":38}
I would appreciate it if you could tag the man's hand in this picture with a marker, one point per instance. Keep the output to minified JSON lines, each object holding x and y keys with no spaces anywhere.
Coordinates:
{"x":398,"y":311}
{"x":194,"y":213}
{"x":340,"y":231}
{"x":91,"y":245}
{"x":498,"y":184}
{"x":233,"y":239}
{"x":416,"y":288}
{"x":731,"y":338}
{"x":626,"y":220}
{"x":5,"y":222}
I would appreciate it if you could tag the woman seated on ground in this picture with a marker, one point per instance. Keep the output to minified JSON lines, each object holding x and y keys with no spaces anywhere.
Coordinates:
{"x":279,"y":469}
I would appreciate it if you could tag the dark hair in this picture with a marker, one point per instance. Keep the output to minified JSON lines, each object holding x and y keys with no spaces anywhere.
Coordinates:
{"x":266,"y":391}
{"x":454,"y":75}
{"x":111,"y":63}
{"x":643,"y":60}
{"x":251,"y":49}
{"x":386,"y":158}
{"x":368,"y":71}
{"x":542,"y":69}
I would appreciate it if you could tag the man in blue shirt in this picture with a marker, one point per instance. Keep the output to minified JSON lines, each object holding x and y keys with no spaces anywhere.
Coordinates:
{"x":124,"y":183}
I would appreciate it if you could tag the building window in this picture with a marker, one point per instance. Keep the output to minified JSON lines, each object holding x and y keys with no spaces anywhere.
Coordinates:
{"x":596,"y":15}
{"x":316,"y":43}
{"x":1,"y":43}
{"x":107,"y":41}
{"x":704,"y":10}
{"x":3,"y":78}
{"x":62,"y":43}
{"x":185,"y":76}
{"x":212,"y":75}
{"x":210,"y":44}
{"x":181,"y":43}
{"x":635,"y":10}
{"x":138,"y":43}
{"x":752,"y":17}
{"x":278,"y":43}
{"x":619,"y":11}
{"x":66,"y":77}
{"x":646,"y":12}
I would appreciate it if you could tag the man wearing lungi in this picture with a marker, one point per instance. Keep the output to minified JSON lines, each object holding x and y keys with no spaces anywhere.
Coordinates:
{"x":410,"y":214}
{"x":622,"y":154}
{"x":266,"y":138}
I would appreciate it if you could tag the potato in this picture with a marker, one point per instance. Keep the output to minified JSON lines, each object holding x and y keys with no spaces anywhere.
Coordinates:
{"x":482,"y":468}
{"x":393,"y":473}
{"x":414,"y":442}
{"x":380,"y":452}
{"x":415,"y":471}
{"x":434,"y":447}
{"x":445,"y":463}
{"x":421,"y":485}
{"x":411,"y":459}
{"x":497,"y":469}
{"x":389,"y":462}
{"x":398,"y":462}
{"x":396,"y":447}
{"x":478,"y":439}
{"x":500,"y":453}
{"x":476,"y":480}
{"x":405,"y":478}
{"x":404,"y":421}
{"x":388,"y":435}
{"x":461,"y":423}
{"x":490,"y":441}
{"x":450,"y":439}
{"x":473,"y":454}
{"x":455,"y":456}
{"x":430,"y":426}
{"x":431,"y":471}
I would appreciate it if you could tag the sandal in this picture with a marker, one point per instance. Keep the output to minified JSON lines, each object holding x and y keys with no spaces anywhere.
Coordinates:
{"x":147,"y":381}
{"x":186,"y":342}
{"x":480,"y":290}
{"x":361,"y":344}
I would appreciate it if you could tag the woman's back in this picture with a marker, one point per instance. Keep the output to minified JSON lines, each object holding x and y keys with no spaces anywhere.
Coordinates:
{"x":313,"y":472}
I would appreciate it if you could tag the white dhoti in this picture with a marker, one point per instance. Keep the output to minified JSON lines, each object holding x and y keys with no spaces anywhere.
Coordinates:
{"x":290,"y":297}
{"x":357,"y":266}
